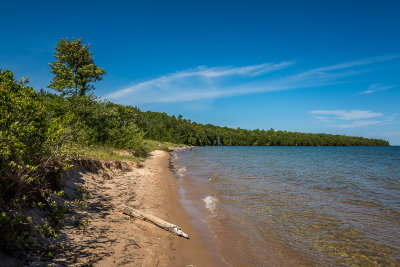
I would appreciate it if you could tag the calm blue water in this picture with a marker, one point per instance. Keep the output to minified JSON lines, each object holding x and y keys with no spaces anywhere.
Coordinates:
{"x":315,"y":205}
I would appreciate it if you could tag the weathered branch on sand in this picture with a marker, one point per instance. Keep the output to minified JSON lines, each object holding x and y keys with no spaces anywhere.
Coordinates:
{"x":155,"y":220}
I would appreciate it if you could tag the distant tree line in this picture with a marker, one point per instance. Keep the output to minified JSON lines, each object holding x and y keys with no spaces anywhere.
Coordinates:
{"x":160,"y":126}
{"x":106,"y":123}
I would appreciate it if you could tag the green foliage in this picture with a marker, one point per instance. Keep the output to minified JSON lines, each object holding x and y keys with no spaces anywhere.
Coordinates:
{"x":32,"y":146}
{"x":99,"y":152}
{"x":31,"y":142}
{"x":74,"y":69}
{"x":154,"y":145}
{"x":99,"y":123}
{"x":160,"y":126}
{"x":105,"y":123}
{"x":4,"y":218}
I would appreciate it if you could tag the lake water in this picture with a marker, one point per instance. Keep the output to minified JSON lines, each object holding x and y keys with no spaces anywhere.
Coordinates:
{"x":294,"y":206}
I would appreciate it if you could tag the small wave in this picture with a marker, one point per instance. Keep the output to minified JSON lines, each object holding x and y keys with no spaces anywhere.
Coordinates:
{"x":211,"y":203}
{"x":181,"y":171}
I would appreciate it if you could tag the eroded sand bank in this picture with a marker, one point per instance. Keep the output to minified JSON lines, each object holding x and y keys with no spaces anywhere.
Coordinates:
{"x":114,"y":239}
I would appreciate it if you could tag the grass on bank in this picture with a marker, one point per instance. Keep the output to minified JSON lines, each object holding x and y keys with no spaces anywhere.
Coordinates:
{"x":152,"y":145}
{"x":98,"y":152}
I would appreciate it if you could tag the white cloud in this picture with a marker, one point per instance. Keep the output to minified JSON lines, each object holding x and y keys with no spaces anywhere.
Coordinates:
{"x":362,"y":62}
{"x":320,"y":117}
{"x":354,"y":118}
{"x":357,"y":124}
{"x":194,"y":84}
{"x":348,"y":115}
{"x":376,"y":88}
{"x":216,"y":82}
{"x":347,"y":65}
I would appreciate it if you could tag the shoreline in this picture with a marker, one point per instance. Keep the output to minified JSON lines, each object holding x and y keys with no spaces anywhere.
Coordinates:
{"x":111,"y":238}
{"x":195,"y":210}
{"x":190,"y":251}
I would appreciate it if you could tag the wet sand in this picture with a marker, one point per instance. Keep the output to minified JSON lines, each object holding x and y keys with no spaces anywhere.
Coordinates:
{"x":114,"y":239}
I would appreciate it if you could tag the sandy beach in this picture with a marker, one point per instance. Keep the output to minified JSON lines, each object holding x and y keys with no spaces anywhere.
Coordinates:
{"x":111,"y":238}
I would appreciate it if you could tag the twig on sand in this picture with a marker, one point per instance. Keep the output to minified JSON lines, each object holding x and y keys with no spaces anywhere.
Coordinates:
{"x":135,"y":243}
{"x":172,"y":228}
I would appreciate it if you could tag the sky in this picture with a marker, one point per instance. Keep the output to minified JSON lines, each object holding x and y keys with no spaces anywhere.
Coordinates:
{"x":304,"y":66}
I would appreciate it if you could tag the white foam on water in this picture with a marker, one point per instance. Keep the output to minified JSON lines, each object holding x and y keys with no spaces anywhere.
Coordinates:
{"x":211,"y":203}
{"x":181,"y":171}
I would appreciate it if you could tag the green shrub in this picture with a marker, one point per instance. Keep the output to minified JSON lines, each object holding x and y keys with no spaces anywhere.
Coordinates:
{"x":31,"y":143}
{"x":98,"y":122}
{"x":31,"y":155}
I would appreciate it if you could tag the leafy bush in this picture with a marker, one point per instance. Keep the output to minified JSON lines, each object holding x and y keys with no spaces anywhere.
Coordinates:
{"x":31,"y":154}
{"x":98,"y":122}
{"x":31,"y":143}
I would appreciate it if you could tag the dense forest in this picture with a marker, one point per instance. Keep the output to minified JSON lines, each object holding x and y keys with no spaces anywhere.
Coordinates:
{"x":162,"y":127}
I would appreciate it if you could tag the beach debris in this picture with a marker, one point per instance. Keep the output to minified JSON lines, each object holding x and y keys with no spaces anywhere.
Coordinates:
{"x":172,"y":228}
{"x":135,"y":243}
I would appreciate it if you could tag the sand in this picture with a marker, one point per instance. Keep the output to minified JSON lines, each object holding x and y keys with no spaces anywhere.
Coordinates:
{"x":110,"y":238}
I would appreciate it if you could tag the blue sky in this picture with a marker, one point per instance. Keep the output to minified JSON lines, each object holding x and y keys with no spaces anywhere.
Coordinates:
{"x":307,"y":66}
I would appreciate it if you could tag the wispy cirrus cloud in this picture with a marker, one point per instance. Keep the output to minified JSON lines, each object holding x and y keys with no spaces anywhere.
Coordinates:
{"x":358,"y":123}
{"x":373,"y":88}
{"x":198,"y":83}
{"x":348,"y":115}
{"x":362,"y":62}
{"x":353,"y":118}
{"x":217,"y":82}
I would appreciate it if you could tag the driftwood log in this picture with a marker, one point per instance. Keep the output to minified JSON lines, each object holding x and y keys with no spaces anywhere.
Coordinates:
{"x":154,"y":220}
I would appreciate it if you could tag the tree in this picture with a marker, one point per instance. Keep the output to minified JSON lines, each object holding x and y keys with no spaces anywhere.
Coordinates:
{"x":74,"y":69}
